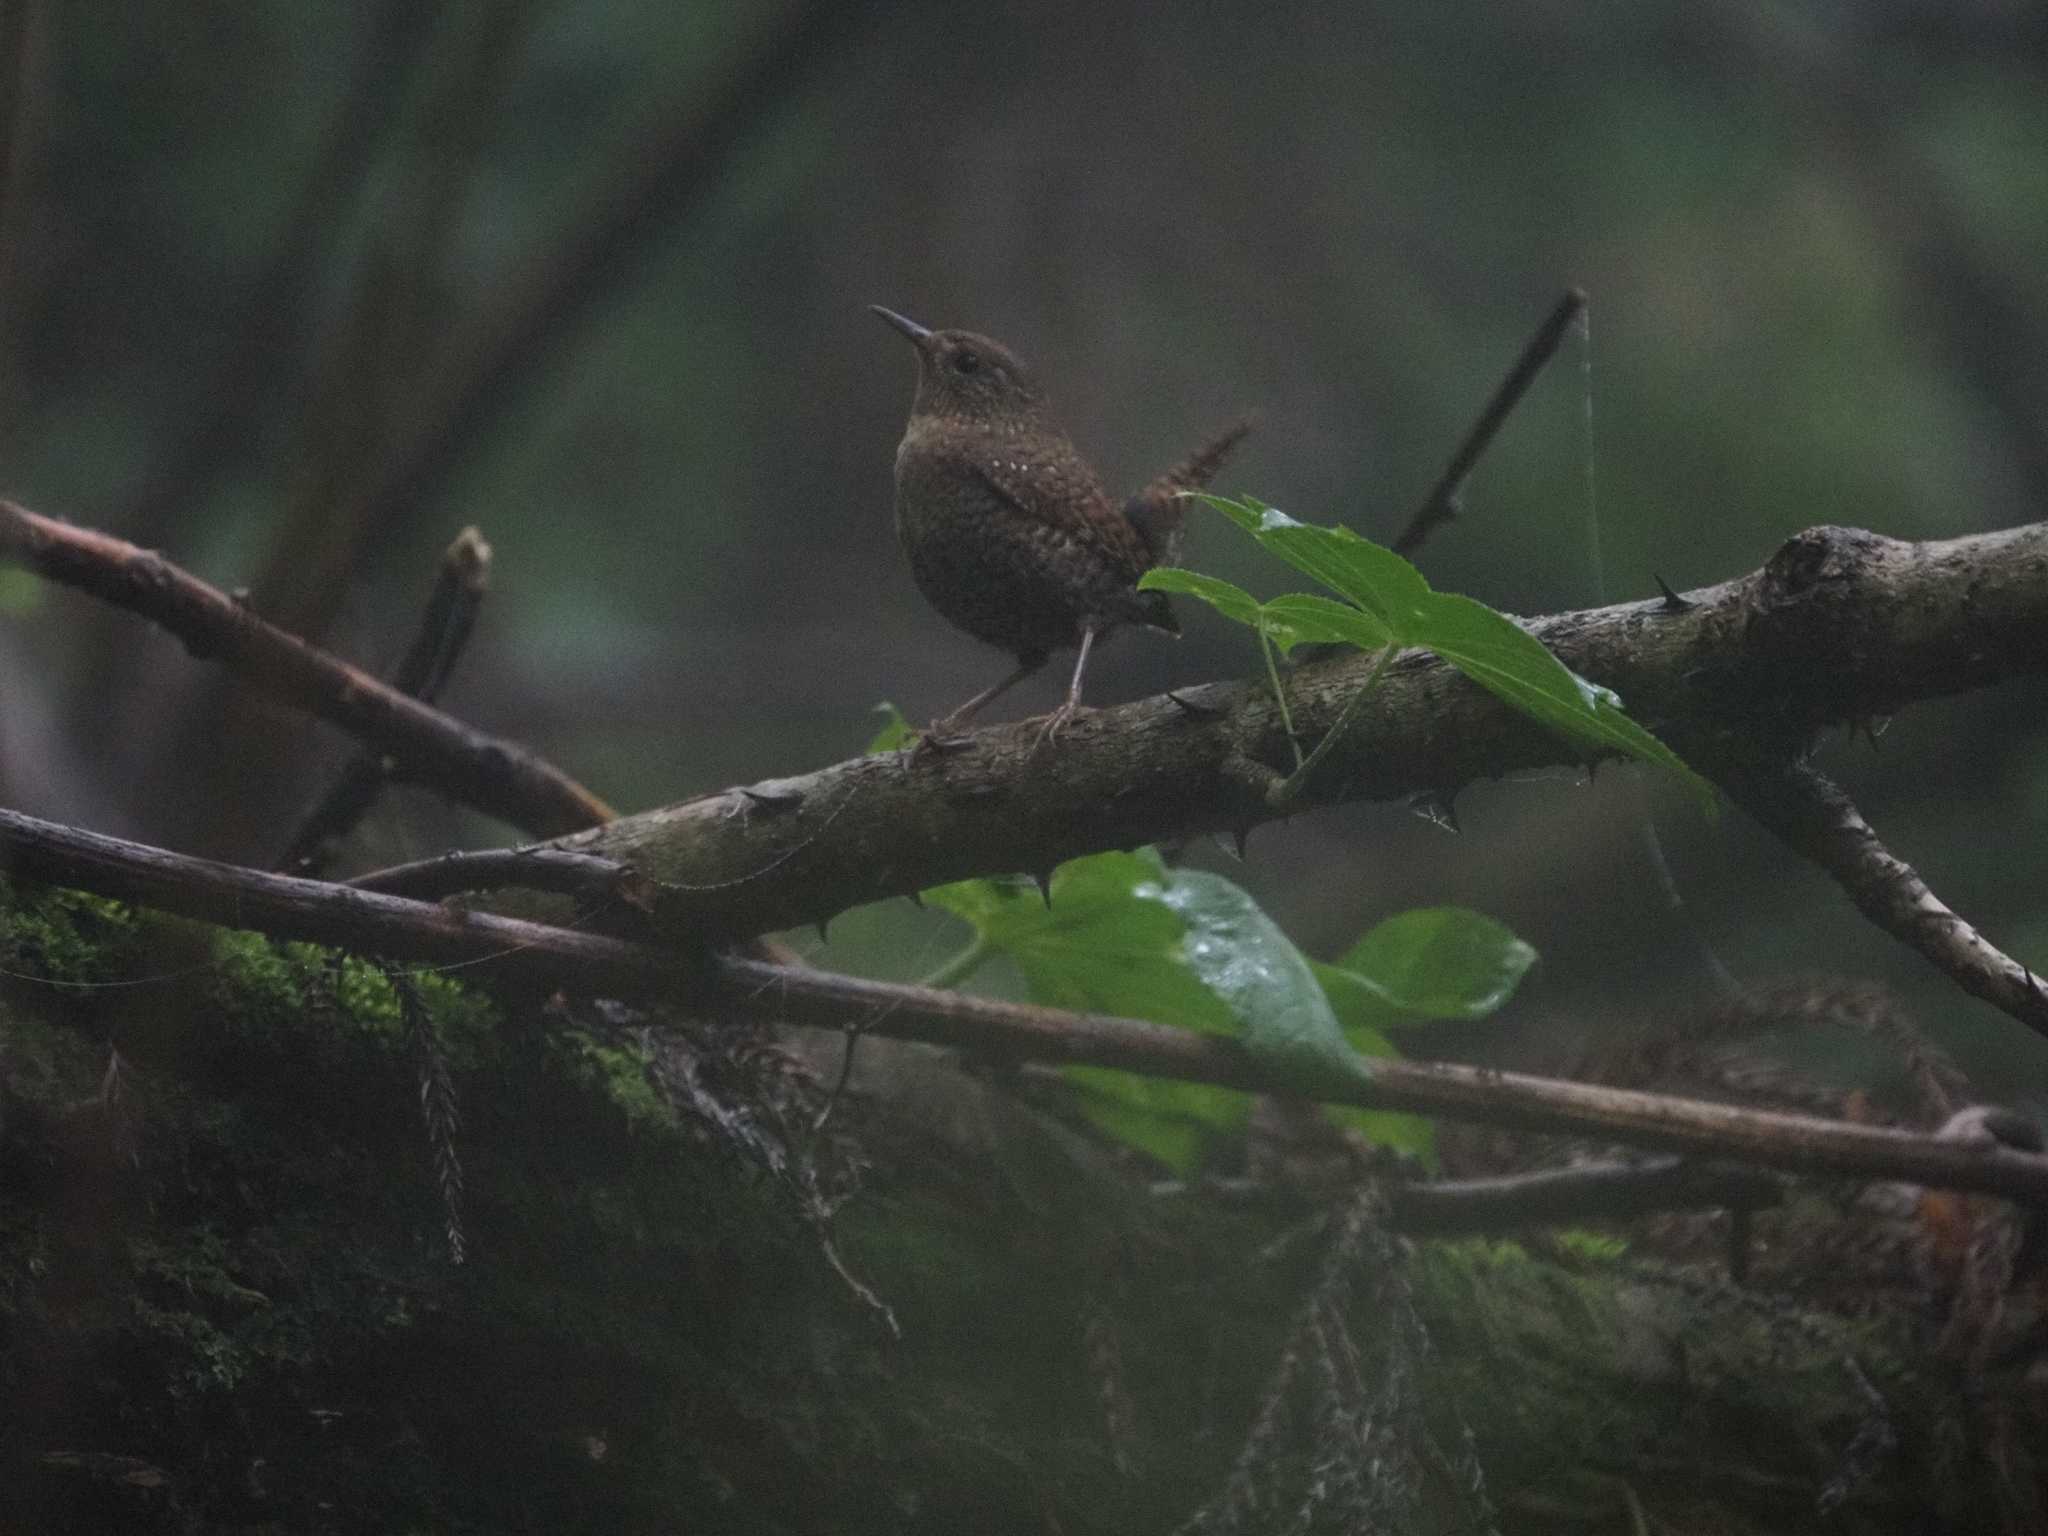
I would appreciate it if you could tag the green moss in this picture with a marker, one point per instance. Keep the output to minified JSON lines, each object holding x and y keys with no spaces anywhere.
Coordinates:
{"x":234,"y":1268}
{"x":65,"y":937}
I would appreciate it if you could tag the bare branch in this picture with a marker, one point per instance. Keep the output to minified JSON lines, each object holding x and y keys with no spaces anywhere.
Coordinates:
{"x":459,"y":586}
{"x":1441,"y":505}
{"x":487,"y":772}
{"x":1817,"y":819}
{"x":1610,"y":1191}
{"x":534,"y":954}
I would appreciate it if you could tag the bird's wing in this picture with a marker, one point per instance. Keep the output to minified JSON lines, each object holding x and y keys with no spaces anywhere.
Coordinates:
{"x":1059,"y":492}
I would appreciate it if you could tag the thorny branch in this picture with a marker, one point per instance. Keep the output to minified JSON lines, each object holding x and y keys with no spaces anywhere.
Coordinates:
{"x":1839,"y":626}
{"x":537,"y":955}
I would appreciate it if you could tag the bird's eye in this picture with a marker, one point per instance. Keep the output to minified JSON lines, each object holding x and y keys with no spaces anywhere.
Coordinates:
{"x":966,"y":362}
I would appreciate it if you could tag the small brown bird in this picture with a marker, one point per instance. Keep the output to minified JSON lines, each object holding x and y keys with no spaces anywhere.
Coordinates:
{"x":1009,"y":533}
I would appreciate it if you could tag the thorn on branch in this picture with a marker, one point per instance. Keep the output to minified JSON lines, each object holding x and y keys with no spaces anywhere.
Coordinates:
{"x":1673,"y":603}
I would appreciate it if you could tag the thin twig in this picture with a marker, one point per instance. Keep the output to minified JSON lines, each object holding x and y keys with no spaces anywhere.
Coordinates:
{"x":459,"y":587}
{"x":536,"y":954}
{"x":1608,"y":1191}
{"x":487,"y":772}
{"x":1612,"y":1190}
{"x":1814,"y":817}
{"x":1441,"y":505}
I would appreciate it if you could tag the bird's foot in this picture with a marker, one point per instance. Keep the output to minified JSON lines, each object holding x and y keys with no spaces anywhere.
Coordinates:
{"x":1057,"y":721}
{"x":938,"y":740}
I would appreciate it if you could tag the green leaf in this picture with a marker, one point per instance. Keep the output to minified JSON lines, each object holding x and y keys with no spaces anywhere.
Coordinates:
{"x":1513,"y":664}
{"x":1171,"y":1122}
{"x":1488,"y":647}
{"x":1412,"y":1134}
{"x":1296,"y":619}
{"x":1376,"y":579}
{"x":1101,"y":948}
{"x":1126,"y":935}
{"x":1436,"y":963}
{"x":1233,"y":602}
{"x":1267,"y":984}
{"x":896,"y":732}
{"x":1363,"y":1011}
{"x":1302,"y":618}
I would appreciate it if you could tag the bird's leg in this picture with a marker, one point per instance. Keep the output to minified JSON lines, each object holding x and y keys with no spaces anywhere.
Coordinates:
{"x":1057,"y":720}
{"x":935,"y":734}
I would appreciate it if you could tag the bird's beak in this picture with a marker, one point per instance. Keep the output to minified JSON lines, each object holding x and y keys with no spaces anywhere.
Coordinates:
{"x":918,"y":334}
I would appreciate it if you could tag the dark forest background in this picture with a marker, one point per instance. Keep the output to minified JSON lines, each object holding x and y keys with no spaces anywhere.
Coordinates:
{"x":294,"y":290}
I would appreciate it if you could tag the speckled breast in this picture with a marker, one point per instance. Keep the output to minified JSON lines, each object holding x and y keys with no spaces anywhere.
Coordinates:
{"x":1002,"y":576}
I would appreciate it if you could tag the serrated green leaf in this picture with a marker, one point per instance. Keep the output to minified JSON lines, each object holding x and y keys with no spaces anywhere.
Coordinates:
{"x":1432,"y":963}
{"x":1486,"y":646}
{"x":1376,"y":579}
{"x":896,"y":732}
{"x":1233,"y":602}
{"x":1508,"y":661}
{"x":1244,"y":511}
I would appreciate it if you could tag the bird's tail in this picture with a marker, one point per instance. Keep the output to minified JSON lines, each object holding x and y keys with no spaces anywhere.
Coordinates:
{"x":1158,"y":511}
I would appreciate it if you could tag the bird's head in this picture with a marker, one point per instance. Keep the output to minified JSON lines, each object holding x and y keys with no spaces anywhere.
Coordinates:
{"x":965,"y":377}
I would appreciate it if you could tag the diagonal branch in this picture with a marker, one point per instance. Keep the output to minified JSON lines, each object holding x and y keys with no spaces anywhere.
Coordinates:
{"x":1441,"y":504}
{"x":537,"y":955}
{"x":1814,"y":817}
{"x":487,"y":772}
